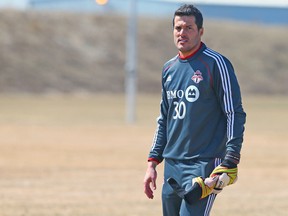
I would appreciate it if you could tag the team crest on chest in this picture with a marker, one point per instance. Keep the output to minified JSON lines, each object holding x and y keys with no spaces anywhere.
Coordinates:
{"x":197,"y":77}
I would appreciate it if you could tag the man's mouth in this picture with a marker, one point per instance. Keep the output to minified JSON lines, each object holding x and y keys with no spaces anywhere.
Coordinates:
{"x":182,"y":40}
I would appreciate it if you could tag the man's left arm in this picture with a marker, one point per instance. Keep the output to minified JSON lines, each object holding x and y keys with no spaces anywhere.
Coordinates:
{"x":229,"y":95}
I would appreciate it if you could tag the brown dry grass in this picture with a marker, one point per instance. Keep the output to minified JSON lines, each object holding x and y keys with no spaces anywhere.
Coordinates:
{"x":67,"y":155}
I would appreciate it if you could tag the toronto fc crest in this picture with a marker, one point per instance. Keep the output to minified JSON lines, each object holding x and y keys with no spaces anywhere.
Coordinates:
{"x":197,"y":77}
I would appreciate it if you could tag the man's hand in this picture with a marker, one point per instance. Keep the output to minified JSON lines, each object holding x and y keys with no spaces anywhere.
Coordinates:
{"x":229,"y":175}
{"x":150,"y":179}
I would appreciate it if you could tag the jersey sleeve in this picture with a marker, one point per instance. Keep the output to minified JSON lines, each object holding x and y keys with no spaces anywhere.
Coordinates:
{"x":160,"y":137}
{"x":229,"y":96}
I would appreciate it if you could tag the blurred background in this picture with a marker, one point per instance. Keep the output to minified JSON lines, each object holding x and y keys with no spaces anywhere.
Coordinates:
{"x":80,"y":85}
{"x":69,"y":46}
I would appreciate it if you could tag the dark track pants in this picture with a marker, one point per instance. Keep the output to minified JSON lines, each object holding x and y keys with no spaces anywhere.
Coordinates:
{"x":183,"y":171}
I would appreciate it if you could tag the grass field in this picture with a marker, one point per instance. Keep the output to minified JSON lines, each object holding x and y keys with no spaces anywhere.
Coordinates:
{"x":76,"y":156}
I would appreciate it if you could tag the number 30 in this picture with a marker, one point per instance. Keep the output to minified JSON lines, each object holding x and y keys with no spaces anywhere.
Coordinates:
{"x":180,"y":110}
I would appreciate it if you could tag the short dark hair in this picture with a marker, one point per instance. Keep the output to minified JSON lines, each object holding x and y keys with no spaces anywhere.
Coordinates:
{"x":190,"y":10}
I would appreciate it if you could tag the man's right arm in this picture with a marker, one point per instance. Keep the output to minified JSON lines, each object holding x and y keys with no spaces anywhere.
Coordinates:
{"x":150,"y":179}
{"x":159,"y":142}
{"x":160,"y":137}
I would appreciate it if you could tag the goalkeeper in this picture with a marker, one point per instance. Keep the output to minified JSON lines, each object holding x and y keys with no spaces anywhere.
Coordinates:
{"x":201,"y":124}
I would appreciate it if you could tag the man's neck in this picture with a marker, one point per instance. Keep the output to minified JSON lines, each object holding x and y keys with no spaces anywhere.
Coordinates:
{"x":191,"y":53}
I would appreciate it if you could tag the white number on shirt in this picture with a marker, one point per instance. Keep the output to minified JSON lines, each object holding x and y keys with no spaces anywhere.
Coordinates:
{"x":180,"y":110}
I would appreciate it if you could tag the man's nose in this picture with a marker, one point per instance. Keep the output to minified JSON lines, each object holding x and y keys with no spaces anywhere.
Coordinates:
{"x":182,"y":31}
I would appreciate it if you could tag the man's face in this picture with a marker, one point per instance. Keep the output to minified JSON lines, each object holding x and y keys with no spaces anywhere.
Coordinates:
{"x":187,"y":37}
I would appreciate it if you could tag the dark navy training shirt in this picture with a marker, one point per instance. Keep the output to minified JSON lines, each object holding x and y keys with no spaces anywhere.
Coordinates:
{"x":201,"y":112}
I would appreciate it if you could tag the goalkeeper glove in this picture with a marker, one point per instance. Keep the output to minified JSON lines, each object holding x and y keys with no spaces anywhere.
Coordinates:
{"x":227,"y":171}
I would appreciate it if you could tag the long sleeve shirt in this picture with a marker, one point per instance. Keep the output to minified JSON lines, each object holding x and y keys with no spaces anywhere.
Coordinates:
{"x":201,"y":113}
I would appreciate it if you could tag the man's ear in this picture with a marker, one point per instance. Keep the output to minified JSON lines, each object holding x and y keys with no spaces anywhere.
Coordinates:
{"x":201,"y":31}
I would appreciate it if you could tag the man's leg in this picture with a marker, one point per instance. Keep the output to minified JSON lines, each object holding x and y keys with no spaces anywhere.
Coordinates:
{"x":202,"y":168}
{"x":171,"y":202}
{"x":199,"y":208}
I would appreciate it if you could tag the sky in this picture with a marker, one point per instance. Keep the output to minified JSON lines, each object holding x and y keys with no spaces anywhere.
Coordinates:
{"x":282,"y":3}
{"x":13,"y":3}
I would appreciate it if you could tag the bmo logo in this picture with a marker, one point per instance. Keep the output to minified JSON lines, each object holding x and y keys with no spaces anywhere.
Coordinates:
{"x":192,"y":93}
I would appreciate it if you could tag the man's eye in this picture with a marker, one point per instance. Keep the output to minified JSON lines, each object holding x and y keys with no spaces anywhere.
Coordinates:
{"x":178,"y":28}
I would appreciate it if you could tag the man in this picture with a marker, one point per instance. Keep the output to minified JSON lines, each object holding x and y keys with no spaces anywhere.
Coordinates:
{"x":201,"y":123}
